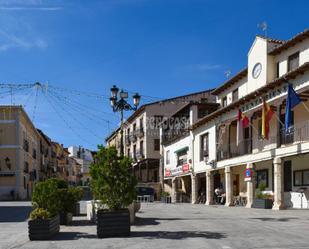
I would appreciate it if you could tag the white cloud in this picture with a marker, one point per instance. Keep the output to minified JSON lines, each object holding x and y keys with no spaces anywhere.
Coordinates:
{"x":203,"y":67}
{"x":9,"y":41}
{"x":15,"y":5}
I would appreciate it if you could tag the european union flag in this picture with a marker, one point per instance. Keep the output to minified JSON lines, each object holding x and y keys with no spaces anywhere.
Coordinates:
{"x":292,"y":100}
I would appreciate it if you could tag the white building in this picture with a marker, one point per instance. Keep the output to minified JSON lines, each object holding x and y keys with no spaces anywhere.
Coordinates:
{"x":84,"y":158}
{"x":142,"y":137}
{"x":280,"y":161}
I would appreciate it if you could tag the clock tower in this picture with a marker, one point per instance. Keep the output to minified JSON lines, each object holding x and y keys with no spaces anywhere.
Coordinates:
{"x":261,"y":66}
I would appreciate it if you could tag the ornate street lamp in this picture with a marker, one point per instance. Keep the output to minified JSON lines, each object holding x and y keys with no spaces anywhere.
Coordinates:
{"x":122,"y":105}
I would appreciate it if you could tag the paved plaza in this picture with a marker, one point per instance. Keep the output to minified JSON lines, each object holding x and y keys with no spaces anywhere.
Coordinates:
{"x":170,"y":226}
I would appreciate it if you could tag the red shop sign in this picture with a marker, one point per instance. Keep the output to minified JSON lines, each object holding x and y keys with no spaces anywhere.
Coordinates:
{"x":185,"y":167}
{"x":167,"y":172}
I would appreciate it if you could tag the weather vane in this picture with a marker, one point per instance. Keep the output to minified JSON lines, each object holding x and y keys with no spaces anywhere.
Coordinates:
{"x":227,"y":73}
{"x":263,"y":26}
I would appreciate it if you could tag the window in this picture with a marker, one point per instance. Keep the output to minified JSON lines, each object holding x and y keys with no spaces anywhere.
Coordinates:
{"x":182,"y":157}
{"x":293,"y":61}
{"x":224,"y":102}
{"x":34,"y":153}
{"x":129,"y":155}
{"x":141,"y":148}
{"x":156,"y":144}
{"x":156,"y":121}
{"x":134,"y":151}
{"x":301,"y":177}
{"x":204,"y":147}
{"x":278,"y":69}
{"x":262,"y":177}
{"x":235,"y":95}
{"x":141,"y":125}
{"x":167,"y":160}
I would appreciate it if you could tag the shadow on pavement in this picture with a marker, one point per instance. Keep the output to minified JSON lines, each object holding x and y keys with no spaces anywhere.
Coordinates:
{"x":76,"y":223}
{"x":275,"y":219}
{"x":73,"y":236}
{"x":178,"y":235}
{"x":14,"y":213}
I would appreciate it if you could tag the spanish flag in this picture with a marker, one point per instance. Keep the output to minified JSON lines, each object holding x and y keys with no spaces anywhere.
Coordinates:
{"x":242,"y":122}
{"x":267,"y":114}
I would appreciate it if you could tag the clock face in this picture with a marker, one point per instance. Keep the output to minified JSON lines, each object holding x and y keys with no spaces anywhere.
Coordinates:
{"x":256,"y":70}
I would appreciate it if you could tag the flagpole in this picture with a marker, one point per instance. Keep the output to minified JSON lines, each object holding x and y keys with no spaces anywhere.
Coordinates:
{"x":278,"y":119}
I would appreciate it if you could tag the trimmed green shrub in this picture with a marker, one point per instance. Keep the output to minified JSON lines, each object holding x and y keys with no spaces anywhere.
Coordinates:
{"x":111,"y":181}
{"x":260,"y":194}
{"x":46,"y":196}
{"x":165,"y":194}
{"x":40,"y":213}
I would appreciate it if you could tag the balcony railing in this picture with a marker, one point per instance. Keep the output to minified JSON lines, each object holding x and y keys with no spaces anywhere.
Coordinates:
{"x":140,"y":155}
{"x":173,"y":134}
{"x":133,"y":137}
{"x":299,"y":133}
{"x":226,"y":151}
{"x":140,"y":132}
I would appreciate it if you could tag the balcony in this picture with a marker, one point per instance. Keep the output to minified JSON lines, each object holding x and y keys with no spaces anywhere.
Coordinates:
{"x":127,"y":140}
{"x":26,"y":145}
{"x":297,"y":134}
{"x":226,"y":151}
{"x":133,"y":137}
{"x":140,"y":132}
{"x":140,"y":155}
{"x":171,"y":135}
{"x":26,"y":167}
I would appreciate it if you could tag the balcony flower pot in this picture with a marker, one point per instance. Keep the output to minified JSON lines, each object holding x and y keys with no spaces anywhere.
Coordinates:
{"x":43,"y":229}
{"x":113,"y":223}
{"x":263,"y":203}
{"x":66,"y":218}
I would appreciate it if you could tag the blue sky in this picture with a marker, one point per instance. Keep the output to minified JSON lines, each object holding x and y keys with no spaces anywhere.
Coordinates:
{"x":160,"y":48}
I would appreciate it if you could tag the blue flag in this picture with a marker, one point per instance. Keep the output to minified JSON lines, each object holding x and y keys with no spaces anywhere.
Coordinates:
{"x":292,"y":100}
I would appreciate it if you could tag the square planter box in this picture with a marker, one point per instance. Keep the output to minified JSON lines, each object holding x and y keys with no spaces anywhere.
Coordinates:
{"x":167,"y":199}
{"x":263,"y":203}
{"x":76,"y":209}
{"x":43,"y":229}
{"x":66,"y":218}
{"x":113,"y":223}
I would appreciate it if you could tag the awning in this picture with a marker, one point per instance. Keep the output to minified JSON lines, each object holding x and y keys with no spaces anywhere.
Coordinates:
{"x":182,"y":149}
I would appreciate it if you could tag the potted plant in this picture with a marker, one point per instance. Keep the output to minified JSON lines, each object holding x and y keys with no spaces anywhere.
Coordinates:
{"x":165,"y":197}
{"x":69,"y":197}
{"x":262,"y":200}
{"x":77,"y":193}
{"x":115,"y":187}
{"x":44,"y":219}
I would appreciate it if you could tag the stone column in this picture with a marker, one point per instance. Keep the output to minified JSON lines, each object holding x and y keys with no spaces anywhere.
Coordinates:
{"x":209,"y":188}
{"x":173,"y":195}
{"x":194,"y":189}
{"x":228,"y":187}
{"x":278,"y":184}
{"x":250,"y":188}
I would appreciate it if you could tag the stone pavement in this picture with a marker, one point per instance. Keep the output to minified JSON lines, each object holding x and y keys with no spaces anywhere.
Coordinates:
{"x":171,"y":226}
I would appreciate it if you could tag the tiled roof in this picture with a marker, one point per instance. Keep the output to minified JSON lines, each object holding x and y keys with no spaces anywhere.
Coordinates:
{"x":290,"y":75}
{"x":289,"y":43}
{"x":243,"y":73}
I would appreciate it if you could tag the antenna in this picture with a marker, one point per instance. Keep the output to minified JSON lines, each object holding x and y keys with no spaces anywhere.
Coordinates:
{"x":263,"y":26}
{"x":227,"y":73}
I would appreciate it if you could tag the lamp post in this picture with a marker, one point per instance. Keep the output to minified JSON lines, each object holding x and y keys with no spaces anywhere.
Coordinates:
{"x":122,"y":105}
